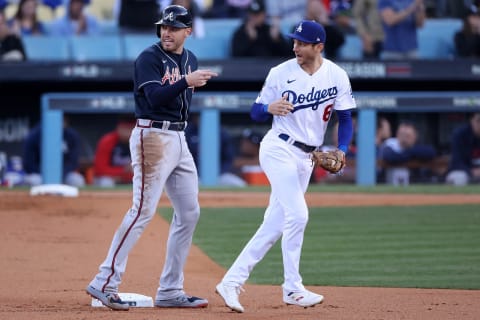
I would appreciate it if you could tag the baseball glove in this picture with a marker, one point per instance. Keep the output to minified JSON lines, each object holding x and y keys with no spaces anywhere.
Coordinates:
{"x":332,"y":161}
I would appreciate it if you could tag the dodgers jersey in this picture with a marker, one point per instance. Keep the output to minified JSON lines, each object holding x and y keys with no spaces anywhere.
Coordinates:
{"x":314,"y":97}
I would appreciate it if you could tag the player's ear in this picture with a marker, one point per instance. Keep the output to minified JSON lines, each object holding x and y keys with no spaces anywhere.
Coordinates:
{"x":320,"y":46}
{"x":188,"y":31}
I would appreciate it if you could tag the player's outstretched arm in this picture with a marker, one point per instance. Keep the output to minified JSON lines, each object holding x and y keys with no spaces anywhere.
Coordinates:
{"x":199,"y":78}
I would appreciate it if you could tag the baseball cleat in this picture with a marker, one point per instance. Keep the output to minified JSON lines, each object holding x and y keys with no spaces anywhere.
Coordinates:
{"x":230,"y":294}
{"x":303,"y":299}
{"x":182,"y":301}
{"x":109,"y":299}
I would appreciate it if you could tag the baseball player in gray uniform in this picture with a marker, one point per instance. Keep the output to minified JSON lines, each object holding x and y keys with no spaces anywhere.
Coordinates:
{"x":165,"y":75}
{"x":301,"y":94}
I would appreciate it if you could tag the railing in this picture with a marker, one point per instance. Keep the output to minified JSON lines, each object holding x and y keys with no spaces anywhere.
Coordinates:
{"x":211,"y":104}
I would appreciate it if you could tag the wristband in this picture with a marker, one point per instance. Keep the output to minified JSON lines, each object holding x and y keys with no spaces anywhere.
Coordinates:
{"x":343,"y":147}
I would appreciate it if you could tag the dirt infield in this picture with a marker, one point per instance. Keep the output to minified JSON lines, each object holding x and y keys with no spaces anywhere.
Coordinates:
{"x":51,"y":248}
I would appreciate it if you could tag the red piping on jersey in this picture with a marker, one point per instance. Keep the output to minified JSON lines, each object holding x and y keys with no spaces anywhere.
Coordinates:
{"x":136,"y":218}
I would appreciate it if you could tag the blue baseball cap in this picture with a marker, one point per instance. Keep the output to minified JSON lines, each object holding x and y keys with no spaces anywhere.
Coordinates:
{"x":309,"y":31}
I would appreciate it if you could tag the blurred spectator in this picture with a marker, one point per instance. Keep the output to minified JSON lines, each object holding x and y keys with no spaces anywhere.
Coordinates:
{"x":467,"y":40}
{"x":247,"y":163}
{"x":227,"y":152}
{"x":248,"y":151}
{"x":227,"y":9}
{"x":464,"y":164}
{"x":11,"y":46}
{"x":383,"y":132}
{"x":102,"y":9}
{"x":256,"y":38}
{"x":200,"y":5}
{"x":25,"y":20}
{"x":316,"y":10}
{"x":32,"y":150}
{"x":341,"y":15}
{"x":53,"y":4}
{"x":369,"y":27}
{"x":137,"y":16}
{"x":75,"y":21}
{"x":400,"y":152}
{"x":400,"y":20}
{"x":112,"y":163}
{"x":12,"y":173}
{"x":47,"y":10}
{"x":285,"y":11}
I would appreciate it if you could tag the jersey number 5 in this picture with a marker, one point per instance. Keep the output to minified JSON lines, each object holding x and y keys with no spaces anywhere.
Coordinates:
{"x":327,"y":112}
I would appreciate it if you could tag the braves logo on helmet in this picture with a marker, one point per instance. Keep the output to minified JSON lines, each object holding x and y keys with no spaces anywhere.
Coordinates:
{"x":168,"y":17}
{"x":175,"y":16}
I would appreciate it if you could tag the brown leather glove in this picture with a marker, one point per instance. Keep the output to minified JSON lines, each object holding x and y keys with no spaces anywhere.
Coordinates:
{"x":332,"y":161}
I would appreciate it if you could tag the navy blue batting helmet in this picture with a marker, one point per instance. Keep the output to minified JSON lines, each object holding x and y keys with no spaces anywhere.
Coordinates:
{"x":175,"y":16}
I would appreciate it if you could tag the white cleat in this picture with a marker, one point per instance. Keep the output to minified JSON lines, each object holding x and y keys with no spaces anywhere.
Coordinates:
{"x":230,"y":294}
{"x":109,"y":299}
{"x":303,"y":299}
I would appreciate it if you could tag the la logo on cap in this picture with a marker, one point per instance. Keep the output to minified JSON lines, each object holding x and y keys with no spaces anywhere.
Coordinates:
{"x":299,"y":28}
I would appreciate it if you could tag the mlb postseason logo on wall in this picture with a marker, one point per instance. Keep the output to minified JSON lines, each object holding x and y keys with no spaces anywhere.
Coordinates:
{"x":376,"y":102}
{"x":91,"y":103}
{"x":466,"y":102}
{"x":364,"y":69}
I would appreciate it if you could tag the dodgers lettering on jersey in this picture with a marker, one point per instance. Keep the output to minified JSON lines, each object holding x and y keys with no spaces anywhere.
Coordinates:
{"x":314,"y":98}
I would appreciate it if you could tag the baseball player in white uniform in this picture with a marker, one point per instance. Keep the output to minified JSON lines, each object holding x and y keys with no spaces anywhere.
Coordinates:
{"x":301,"y":95}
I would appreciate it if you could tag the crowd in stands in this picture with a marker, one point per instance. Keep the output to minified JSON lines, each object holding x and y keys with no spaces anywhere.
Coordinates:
{"x":11,"y":46}
{"x":386,"y":29}
{"x":257,"y":37}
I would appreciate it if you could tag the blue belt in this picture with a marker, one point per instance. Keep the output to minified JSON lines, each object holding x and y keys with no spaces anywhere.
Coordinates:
{"x":302,"y":146}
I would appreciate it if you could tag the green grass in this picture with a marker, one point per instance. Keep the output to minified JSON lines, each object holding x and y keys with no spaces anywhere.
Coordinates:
{"x":424,"y":246}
